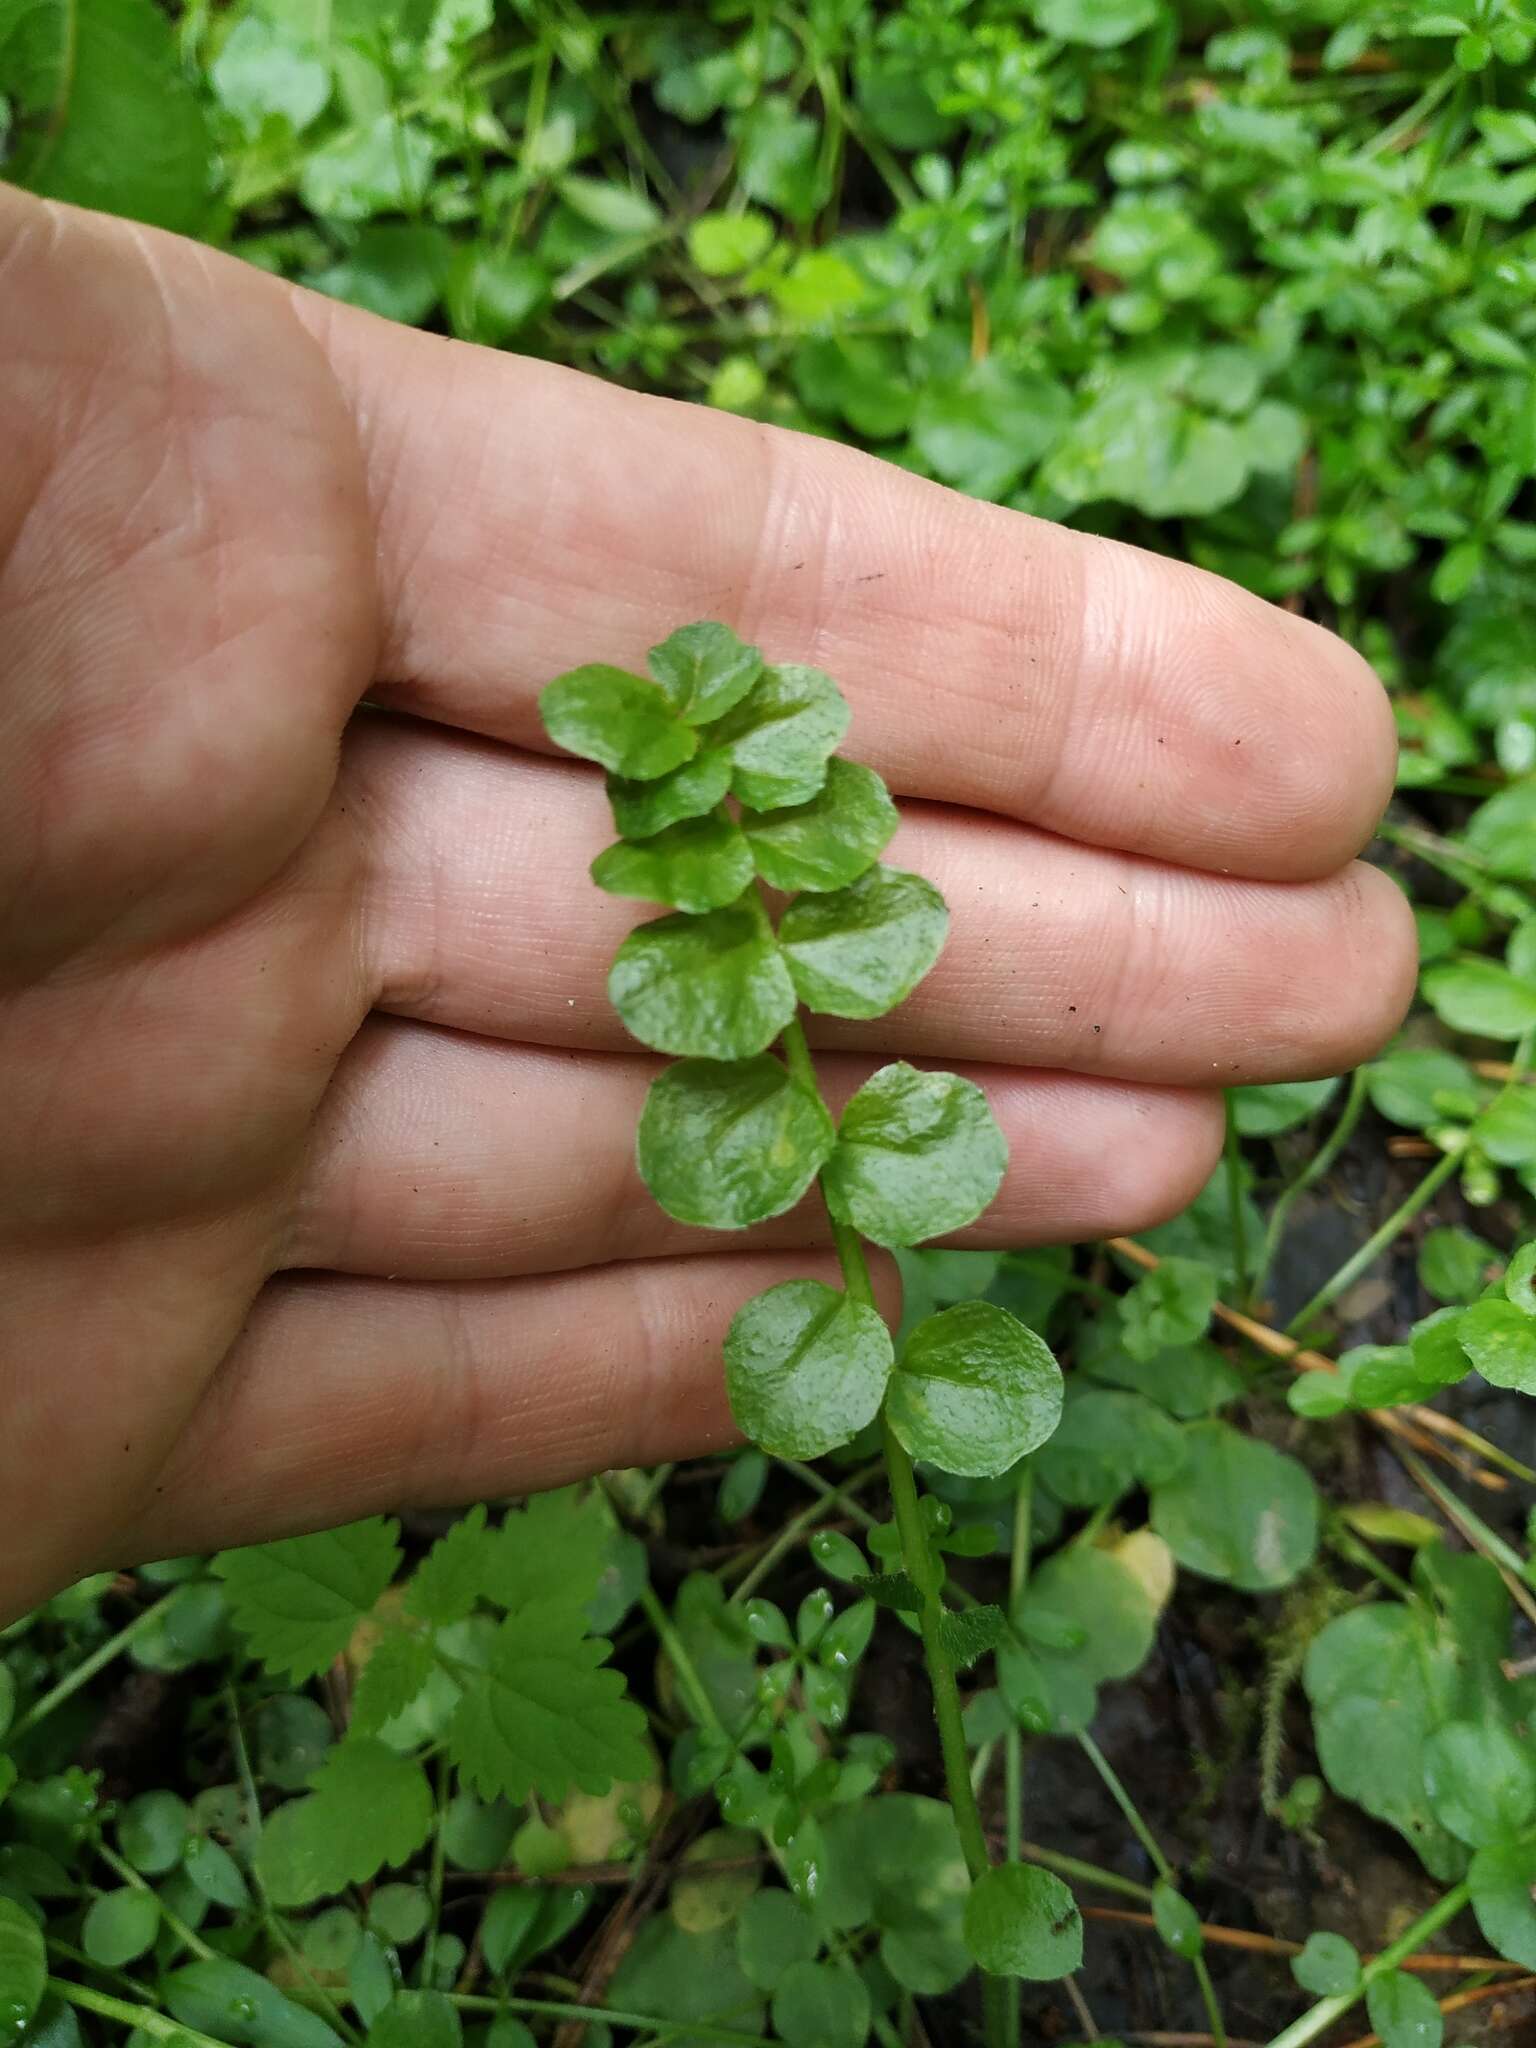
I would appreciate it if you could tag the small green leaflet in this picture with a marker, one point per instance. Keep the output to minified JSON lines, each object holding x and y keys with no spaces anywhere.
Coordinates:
{"x":970,"y":1632}
{"x":805,"y":1368}
{"x":1237,"y":1510}
{"x":859,"y":951}
{"x":726,"y":1143}
{"x":1500,"y":1340}
{"x":297,"y":1601}
{"x":1023,"y":1922}
{"x":417,"y":2019}
{"x":447,"y":1582}
{"x":1327,"y":1965}
{"x":917,"y":1155}
{"x":369,"y":1807}
{"x":397,"y":1667}
{"x":829,"y":841}
{"x":617,"y":719}
{"x":23,"y":1965}
{"x":975,"y":1389}
{"x":545,"y":1715}
{"x":781,"y":735}
{"x":554,"y":1549}
{"x":643,"y":808}
{"x":714,"y":986}
{"x":1404,"y":2011}
{"x":1502,"y":1878}
{"x":704,"y":670}
{"x":1481,"y":1780}
{"x":246,"y":2008}
{"x":890,"y":1589}
{"x":700,"y":864}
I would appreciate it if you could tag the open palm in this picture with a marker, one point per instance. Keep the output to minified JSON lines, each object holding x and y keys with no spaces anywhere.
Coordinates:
{"x":318,"y":1182}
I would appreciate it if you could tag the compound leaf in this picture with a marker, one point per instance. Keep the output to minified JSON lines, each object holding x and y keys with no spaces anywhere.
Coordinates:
{"x":699,"y":864}
{"x":859,"y":951}
{"x":369,"y":1807}
{"x":781,"y":735}
{"x":545,"y":1715}
{"x":714,"y":986}
{"x":975,"y":1390}
{"x":917,"y":1155}
{"x":830,"y":840}
{"x":617,"y":719}
{"x":728,"y":1143}
{"x":805,"y":1368}
{"x":297,"y":1601}
{"x":448,"y":1579}
{"x":704,"y":670}
{"x":398,"y":1666}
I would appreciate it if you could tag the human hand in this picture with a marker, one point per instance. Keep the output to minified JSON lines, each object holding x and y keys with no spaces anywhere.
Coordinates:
{"x":318,"y":1182}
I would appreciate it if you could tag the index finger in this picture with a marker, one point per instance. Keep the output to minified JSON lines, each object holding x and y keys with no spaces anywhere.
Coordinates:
{"x":530,"y":518}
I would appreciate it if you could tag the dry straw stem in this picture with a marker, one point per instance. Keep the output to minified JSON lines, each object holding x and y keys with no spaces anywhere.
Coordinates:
{"x":1414,"y":1424}
{"x":1273,"y":1945}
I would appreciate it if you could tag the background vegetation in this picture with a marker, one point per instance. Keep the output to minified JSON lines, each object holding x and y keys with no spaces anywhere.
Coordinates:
{"x":1248,"y":283}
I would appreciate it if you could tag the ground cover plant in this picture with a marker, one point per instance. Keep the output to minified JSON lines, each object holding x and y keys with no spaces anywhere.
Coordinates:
{"x":1234,"y":1657}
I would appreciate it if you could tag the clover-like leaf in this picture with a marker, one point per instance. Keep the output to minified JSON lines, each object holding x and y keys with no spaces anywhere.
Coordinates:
{"x":975,"y":1390}
{"x":643,"y":808}
{"x":704,"y":670}
{"x":805,"y":1368}
{"x":781,"y":735}
{"x":829,"y":841}
{"x":1023,"y":1922}
{"x":699,"y":864}
{"x":917,"y":1155}
{"x":713,"y":987}
{"x":617,"y":719}
{"x":860,"y":951}
{"x":726,"y":1143}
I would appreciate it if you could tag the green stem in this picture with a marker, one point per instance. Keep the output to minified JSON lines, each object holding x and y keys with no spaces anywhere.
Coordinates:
{"x":677,"y":1655}
{"x":1327,"y":2010}
{"x":1320,"y":1164}
{"x":1013,"y":1740}
{"x":796,"y":1527}
{"x":144,"y":2017}
{"x":1377,"y":1242}
{"x":187,"y":1936}
{"x":88,"y":1667}
{"x":1237,"y":1227}
{"x":555,"y":2009}
{"x":1127,"y":1806}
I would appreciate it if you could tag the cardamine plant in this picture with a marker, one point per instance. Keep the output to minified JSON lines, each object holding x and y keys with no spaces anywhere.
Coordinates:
{"x":724,"y":779}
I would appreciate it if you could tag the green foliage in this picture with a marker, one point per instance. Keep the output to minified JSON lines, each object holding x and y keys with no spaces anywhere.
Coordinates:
{"x":974,"y":1390}
{"x":297,"y":1602}
{"x":369,"y":1807}
{"x":1237,"y":1510}
{"x":918,"y":1155}
{"x":728,"y":1143}
{"x":1404,"y":2011}
{"x":1327,"y":1965}
{"x":1022,"y":1922}
{"x":23,"y":1965}
{"x":859,"y":951}
{"x":806,"y":1368}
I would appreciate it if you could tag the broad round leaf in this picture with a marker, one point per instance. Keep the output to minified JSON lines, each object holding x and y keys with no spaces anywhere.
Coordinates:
{"x":704,"y":669}
{"x":1502,"y":1878}
{"x":773,"y":1934}
{"x":120,"y":1926}
{"x":917,"y":1155}
{"x":1404,"y":2011}
{"x":974,"y":1391}
{"x":829,"y":841}
{"x":641,"y":808}
{"x":1238,"y":1510}
{"x":1500,"y":1340}
{"x":818,"y":2005}
{"x":1328,"y":1964}
{"x":620,"y":720}
{"x":700,"y":864}
{"x":726,"y":1143}
{"x":23,"y":1966}
{"x":860,"y":951}
{"x":1023,"y":1922}
{"x":713,"y":986}
{"x":805,"y":1368}
{"x":781,"y":735}
{"x":1480,"y":1779}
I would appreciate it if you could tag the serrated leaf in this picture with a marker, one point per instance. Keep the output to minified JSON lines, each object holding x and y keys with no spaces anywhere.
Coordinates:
{"x":700,"y":864}
{"x":781,"y":736}
{"x":805,"y":1368}
{"x":890,"y":1589}
{"x":1023,"y":1922}
{"x":369,"y":1807}
{"x":714,"y":987}
{"x":447,"y":1582}
{"x":704,"y":670}
{"x":728,"y":1143}
{"x":297,"y":1601}
{"x":974,"y":1390}
{"x":555,"y":1548}
{"x":619,"y":720}
{"x":829,"y":841}
{"x":399,"y":1665}
{"x":917,"y":1155}
{"x":641,"y":809}
{"x":545,"y":1715}
{"x":859,"y":951}
{"x":970,"y":1632}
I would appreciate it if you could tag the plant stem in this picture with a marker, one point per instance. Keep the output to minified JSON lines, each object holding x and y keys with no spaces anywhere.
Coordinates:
{"x":1327,"y":2010}
{"x":88,"y":1667}
{"x":554,"y":2009}
{"x":1237,"y":1227}
{"x":144,"y":2017}
{"x":1013,"y":1740}
{"x":923,"y":1568}
{"x":796,"y":1527}
{"x":1316,"y":1167}
{"x":187,"y":1936}
{"x":1377,"y":1242}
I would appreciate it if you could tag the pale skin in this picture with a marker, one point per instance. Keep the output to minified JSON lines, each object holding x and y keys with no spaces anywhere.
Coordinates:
{"x":317,"y":1192}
